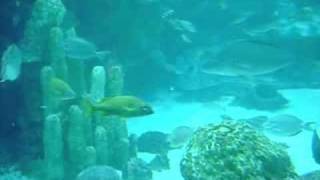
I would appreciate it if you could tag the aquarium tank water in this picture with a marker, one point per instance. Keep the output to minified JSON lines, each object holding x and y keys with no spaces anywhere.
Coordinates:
{"x":159,"y":90}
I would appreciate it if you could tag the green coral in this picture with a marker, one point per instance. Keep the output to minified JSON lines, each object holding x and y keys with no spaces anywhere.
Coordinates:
{"x":233,"y":150}
{"x":45,"y":15}
{"x":53,"y":148}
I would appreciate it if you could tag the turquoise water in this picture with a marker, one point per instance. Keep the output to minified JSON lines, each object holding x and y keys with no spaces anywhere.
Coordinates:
{"x":159,"y":89}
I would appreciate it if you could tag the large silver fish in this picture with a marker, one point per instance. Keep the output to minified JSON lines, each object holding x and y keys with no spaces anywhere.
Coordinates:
{"x":287,"y":125}
{"x":78,"y":48}
{"x":248,"y":58}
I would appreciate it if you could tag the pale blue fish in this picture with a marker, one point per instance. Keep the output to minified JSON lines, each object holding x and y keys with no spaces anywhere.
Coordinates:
{"x":287,"y":125}
{"x":248,"y":58}
{"x":11,"y":63}
{"x":79,"y":48}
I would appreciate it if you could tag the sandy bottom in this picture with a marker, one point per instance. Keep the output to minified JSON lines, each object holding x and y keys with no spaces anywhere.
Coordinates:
{"x":304,"y":103}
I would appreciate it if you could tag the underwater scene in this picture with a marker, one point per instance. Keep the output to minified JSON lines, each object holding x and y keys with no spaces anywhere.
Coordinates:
{"x":159,"y":90}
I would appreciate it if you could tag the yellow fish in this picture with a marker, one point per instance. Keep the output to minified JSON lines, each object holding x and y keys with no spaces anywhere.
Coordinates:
{"x":61,"y":90}
{"x":123,"y":106}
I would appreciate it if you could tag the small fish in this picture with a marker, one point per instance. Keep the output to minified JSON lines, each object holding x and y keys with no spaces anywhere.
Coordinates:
{"x":183,"y":25}
{"x":61,"y":90}
{"x":81,"y":49}
{"x":99,"y":172}
{"x":159,"y":163}
{"x":11,"y":63}
{"x":256,"y":122}
{"x":180,"y":136}
{"x":316,"y":145}
{"x":286,"y":125}
{"x":123,"y":106}
{"x":154,"y":142}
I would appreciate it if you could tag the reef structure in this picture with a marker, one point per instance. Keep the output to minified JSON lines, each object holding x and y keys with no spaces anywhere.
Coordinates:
{"x":233,"y":150}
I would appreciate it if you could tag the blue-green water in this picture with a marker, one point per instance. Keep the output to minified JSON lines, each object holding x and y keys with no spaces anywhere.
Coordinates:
{"x":148,"y":88}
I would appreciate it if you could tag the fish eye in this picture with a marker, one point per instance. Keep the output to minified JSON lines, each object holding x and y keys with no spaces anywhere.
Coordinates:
{"x":146,"y":108}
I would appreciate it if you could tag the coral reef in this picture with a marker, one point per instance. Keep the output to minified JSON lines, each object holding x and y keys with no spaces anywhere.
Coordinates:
{"x":45,"y":15}
{"x":74,"y":140}
{"x":53,"y":148}
{"x":138,"y":170}
{"x":11,"y":173}
{"x":233,"y":150}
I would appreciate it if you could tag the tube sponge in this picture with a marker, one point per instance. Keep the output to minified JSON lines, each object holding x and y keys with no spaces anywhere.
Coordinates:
{"x":98,"y":81}
{"x":45,"y":14}
{"x":57,"y":55}
{"x":50,"y":104}
{"x":101,"y":145}
{"x":76,"y":139}
{"x":53,"y":148}
{"x":115,"y":81}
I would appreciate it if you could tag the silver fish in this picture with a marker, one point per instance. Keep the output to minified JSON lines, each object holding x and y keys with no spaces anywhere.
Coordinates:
{"x":248,"y":58}
{"x":180,"y":136}
{"x":183,"y":25}
{"x":286,"y":125}
{"x":99,"y":172}
{"x":11,"y":63}
{"x":78,"y":48}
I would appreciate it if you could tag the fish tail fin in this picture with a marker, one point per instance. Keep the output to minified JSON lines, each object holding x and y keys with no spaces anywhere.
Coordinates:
{"x":310,"y":126}
{"x":103,"y":55}
{"x":87,"y":106}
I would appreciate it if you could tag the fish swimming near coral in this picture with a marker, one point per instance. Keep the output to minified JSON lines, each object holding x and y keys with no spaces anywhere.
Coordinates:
{"x":248,"y":58}
{"x":256,"y":121}
{"x":180,"y":136}
{"x":123,"y":106}
{"x":61,"y":90}
{"x":81,"y":49}
{"x":99,"y":173}
{"x":287,"y":125}
{"x":11,"y":64}
{"x":159,"y":162}
{"x":154,"y":142}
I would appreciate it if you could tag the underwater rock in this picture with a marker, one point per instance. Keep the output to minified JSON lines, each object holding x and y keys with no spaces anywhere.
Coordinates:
{"x":233,"y":150}
{"x":159,"y":163}
{"x":314,"y":175}
{"x":12,"y":173}
{"x":10,"y":63}
{"x":138,"y":170}
{"x":133,"y":148}
{"x":154,"y":142}
{"x":99,"y":173}
{"x":262,"y":97}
